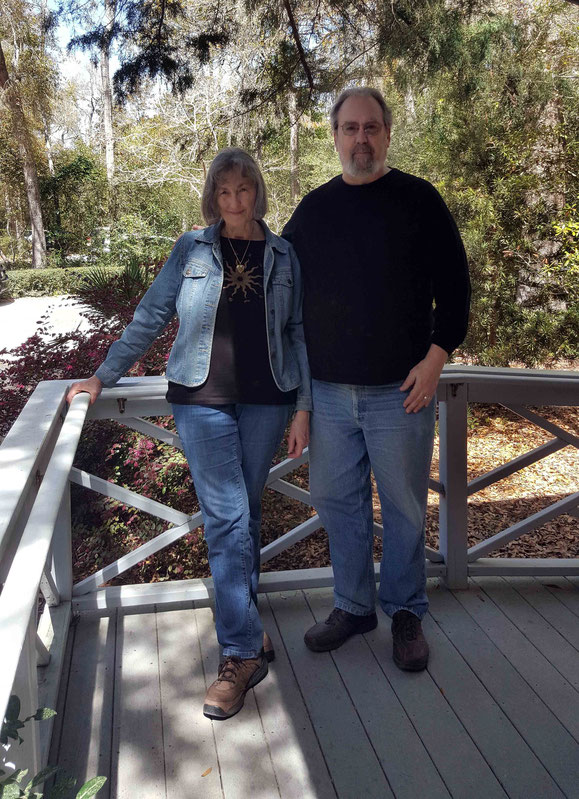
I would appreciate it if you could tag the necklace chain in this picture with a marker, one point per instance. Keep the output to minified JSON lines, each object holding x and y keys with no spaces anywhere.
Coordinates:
{"x":239,"y":265}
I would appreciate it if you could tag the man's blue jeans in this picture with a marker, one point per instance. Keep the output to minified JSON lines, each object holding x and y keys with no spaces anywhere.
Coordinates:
{"x":355,"y":429}
{"x":229,"y":449}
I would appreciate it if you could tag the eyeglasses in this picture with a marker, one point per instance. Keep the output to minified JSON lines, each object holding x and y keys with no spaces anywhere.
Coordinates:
{"x":352,"y":128}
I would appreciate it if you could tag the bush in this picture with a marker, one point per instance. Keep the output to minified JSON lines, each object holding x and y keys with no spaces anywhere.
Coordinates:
{"x":48,"y":282}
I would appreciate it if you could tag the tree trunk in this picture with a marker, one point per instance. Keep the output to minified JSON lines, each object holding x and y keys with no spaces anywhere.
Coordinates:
{"x":22,"y":139}
{"x":107,"y":93}
{"x":294,"y":148}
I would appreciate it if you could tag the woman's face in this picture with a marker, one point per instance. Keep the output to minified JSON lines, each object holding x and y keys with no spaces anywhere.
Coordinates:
{"x":236,"y":200}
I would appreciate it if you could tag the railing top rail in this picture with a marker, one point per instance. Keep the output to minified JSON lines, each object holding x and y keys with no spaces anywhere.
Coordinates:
{"x":516,"y":376}
{"x":20,"y":591}
{"x":22,"y":453}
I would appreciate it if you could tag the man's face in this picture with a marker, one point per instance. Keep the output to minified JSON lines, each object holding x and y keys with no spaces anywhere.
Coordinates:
{"x":362,"y":155}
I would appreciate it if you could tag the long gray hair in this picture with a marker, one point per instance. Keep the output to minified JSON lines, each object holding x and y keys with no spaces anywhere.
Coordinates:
{"x":229,"y":160}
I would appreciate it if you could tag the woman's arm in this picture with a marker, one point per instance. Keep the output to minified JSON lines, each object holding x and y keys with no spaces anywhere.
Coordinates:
{"x":295,"y":329}
{"x":151,"y":317}
{"x":299,"y":434}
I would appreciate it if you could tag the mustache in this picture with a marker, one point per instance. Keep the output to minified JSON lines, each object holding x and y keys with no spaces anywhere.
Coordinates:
{"x":362,"y":148}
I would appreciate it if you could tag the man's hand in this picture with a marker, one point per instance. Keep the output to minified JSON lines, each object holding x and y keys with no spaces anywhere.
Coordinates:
{"x":299,"y":434}
{"x":423,"y":379}
{"x":92,"y":386}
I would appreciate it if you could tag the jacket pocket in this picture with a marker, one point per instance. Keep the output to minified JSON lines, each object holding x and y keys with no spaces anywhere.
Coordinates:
{"x":195,"y":269}
{"x":283,"y":279}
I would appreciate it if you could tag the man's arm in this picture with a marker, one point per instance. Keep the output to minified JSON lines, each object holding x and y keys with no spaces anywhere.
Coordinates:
{"x":451,"y":291}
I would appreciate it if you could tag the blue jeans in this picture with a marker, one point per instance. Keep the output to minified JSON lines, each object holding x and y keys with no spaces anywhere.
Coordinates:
{"x":355,"y":429}
{"x":229,"y":449}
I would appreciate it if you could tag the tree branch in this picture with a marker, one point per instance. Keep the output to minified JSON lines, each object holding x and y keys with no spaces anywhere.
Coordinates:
{"x":298,"y":42}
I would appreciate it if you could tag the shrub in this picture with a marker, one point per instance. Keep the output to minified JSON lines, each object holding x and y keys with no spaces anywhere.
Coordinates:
{"x":48,"y":282}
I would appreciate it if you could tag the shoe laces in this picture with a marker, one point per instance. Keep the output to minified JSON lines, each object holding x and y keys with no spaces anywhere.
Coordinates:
{"x":336,"y":617}
{"x":407,"y":626}
{"x":229,"y":669}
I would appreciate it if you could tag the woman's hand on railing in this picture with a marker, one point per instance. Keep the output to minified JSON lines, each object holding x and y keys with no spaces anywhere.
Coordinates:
{"x":92,"y":386}
{"x":299,"y":434}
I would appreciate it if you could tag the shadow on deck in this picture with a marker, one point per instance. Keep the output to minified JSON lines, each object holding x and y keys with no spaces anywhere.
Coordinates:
{"x":496,"y":714}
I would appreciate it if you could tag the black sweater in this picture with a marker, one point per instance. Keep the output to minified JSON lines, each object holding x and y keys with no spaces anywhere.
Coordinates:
{"x":374,"y":258}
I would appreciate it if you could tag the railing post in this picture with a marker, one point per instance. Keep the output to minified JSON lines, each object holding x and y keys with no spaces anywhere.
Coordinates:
{"x":62,"y":549}
{"x":25,"y":686}
{"x":453,"y":515}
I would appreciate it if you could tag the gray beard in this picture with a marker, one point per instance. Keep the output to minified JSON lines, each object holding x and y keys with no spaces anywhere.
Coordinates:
{"x":367,"y":167}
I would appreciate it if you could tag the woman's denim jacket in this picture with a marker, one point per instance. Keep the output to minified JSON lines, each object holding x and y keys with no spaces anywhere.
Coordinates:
{"x":190,"y":285}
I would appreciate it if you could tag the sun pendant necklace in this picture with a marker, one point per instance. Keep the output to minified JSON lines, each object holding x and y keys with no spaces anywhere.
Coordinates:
{"x":239,"y":262}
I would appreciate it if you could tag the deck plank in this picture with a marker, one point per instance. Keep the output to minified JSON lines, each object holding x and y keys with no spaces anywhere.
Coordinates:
{"x":138,"y":750}
{"x":456,"y":757}
{"x":495,"y":714}
{"x":188,"y":736}
{"x":355,"y":769}
{"x":535,"y":627}
{"x":244,"y":760}
{"x":404,"y":758}
{"x":299,"y":764}
{"x":564,"y":590}
{"x":549,"y":740}
{"x":555,"y":691}
{"x":87,"y":713}
{"x":561,"y":619}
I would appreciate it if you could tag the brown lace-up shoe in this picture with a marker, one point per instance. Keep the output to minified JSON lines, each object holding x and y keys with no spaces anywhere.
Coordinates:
{"x":235,"y":677}
{"x":410,"y":649}
{"x":336,"y":629}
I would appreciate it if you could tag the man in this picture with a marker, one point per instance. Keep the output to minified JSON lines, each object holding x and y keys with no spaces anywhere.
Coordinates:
{"x":377,"y":247}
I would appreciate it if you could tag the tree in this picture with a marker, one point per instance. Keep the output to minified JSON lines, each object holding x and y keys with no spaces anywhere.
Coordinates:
{"x":20,"y":23}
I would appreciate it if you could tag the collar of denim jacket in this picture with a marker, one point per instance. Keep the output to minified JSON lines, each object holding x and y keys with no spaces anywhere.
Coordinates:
{"x":211,"y":234}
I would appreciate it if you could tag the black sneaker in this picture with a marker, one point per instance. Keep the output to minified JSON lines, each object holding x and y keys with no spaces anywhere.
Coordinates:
{"x":337,"y":628}
{"x":409,"y":646}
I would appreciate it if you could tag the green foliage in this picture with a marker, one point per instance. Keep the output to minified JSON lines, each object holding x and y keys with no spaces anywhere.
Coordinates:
{"x":49,"y":282}
{"x":13,"y":786}
{"x":74,"y":199}
{"x":486,"y":106}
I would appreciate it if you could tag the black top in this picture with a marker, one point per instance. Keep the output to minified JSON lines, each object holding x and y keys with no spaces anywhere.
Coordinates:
{"x":374,"y":258}
{"x":239,"y":370}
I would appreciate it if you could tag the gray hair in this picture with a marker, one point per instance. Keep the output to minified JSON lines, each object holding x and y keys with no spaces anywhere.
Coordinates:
{"x":361,"y":91}
{"x":230,"y":160}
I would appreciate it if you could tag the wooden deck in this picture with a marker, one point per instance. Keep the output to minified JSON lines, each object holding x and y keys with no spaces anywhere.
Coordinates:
{"x":496,"y":714}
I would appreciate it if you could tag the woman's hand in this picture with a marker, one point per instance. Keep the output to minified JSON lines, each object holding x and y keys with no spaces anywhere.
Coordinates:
{"x":299,"y":434}
{"x":92,"y":386}
{"x":423,"y":379}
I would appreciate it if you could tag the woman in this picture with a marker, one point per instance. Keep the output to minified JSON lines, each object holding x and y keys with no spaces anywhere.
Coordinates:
{"x":236,"y":371}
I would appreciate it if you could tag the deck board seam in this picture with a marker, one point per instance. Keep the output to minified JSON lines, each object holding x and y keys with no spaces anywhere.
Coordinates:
{"x":267,"y":744}
{"x":458,"y":718}
{"x":557,"y":596}
{"x":114,"y":739}
{"x":522,"y":676}
{"x":511,"y":721}
{"x":348,"y":694}
{"x":299,"y":687}
{"x":160,"y":700}
{"x":55,"y":746}
{"x":523,"y":633}
{"x":530,"y":604}
{"x":412,"y":724}
{"x":205,"y":681}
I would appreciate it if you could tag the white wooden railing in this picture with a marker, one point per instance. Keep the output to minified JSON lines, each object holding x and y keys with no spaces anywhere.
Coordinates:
{"x":35,"y":536}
